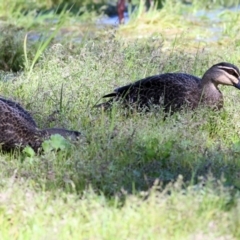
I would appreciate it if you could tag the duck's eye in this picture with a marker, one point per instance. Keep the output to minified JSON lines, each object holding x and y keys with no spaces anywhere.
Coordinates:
{"x":232,"y":72}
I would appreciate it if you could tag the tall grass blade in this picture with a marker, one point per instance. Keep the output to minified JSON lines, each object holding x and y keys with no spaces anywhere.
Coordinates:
{"x":45,"y":43}
{"x":25,"y":51}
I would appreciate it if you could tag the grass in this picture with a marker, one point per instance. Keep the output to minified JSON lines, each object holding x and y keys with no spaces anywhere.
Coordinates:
{"x":214,"y":25}
{"x":93,"y":217}
{"x":134,"y":176}
{"x":119,"y":157}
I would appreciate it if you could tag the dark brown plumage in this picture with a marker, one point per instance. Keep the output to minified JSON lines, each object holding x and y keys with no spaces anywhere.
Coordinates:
{"x":175,"y":90}
{"x":18,"y":129}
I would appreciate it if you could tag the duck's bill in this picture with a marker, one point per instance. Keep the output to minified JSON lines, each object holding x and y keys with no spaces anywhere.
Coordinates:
{"x":237,"y":85}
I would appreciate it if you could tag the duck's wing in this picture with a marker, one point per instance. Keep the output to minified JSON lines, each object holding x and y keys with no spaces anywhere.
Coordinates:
{"x":158,"y":82}
{"x":24,"y":113}
{"x":15,"y":129}
{"x":168,"y":84}
{"x":127,"y":89}
{"x":170,"y":90}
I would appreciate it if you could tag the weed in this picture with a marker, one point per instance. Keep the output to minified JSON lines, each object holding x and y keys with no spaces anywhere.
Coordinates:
{"x":138,"y":175}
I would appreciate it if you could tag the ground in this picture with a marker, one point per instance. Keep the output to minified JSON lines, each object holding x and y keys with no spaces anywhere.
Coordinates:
{"x":130,"y":176}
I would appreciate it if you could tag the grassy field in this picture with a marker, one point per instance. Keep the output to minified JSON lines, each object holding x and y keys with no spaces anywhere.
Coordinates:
{"x":131,"y":176}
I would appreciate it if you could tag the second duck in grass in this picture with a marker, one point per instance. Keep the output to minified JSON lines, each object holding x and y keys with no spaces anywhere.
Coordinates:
{"x":176,"y":90}
{"x":18,"y":129}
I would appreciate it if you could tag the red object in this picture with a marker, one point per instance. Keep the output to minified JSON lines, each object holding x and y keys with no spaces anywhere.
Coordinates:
{"x":120,"y":10}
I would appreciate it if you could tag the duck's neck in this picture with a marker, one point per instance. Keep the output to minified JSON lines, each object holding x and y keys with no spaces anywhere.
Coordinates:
{"x":211,"y":95}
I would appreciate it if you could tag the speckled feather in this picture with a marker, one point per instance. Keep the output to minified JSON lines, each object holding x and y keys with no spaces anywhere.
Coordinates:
{"x":25,"y":114}
{"x":18,"y":129}
{"x":165,"y":89}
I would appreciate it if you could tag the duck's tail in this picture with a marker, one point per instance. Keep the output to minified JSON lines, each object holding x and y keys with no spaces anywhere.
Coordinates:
{"x":110,"y":95}
{"x":104,"y":106}
{"x":108,"y":104}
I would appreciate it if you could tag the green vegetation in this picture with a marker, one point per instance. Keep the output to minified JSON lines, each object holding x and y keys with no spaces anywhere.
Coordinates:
{"x":201,"y":213}
{"x":130,"y":176}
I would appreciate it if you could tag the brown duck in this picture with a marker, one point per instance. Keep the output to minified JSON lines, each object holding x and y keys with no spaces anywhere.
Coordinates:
{"x":18,"y":129}
{"x":175,"y":90}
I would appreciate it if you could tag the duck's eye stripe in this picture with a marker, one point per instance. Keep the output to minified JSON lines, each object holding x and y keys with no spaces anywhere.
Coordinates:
{"x":231,"y":71}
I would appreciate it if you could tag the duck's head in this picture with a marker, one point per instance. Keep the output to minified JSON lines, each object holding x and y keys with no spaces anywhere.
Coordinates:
{"x":223,"y":73}
{"x":72,"y":135}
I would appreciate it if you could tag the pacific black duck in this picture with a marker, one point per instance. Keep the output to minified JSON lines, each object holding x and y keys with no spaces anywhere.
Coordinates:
{"x":175,"y":90}
{"x":18,"y":129}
